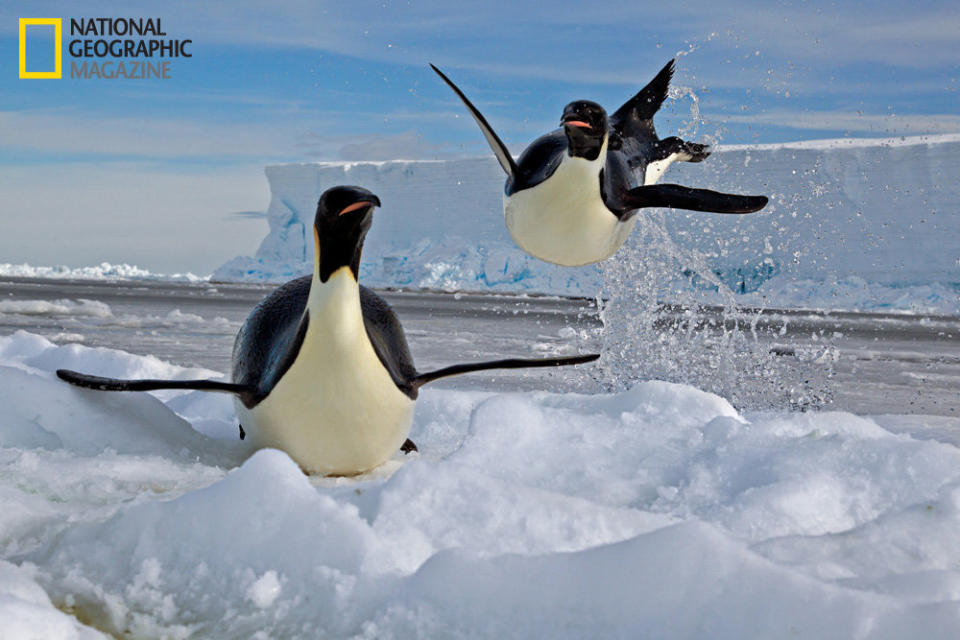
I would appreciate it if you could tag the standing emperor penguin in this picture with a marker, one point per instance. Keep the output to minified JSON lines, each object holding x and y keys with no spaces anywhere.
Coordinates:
{"x":321,"y":367}
{"x":572,"y":196}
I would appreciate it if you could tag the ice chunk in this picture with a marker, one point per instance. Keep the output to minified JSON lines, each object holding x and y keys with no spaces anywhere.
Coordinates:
{"x":26,"y":612}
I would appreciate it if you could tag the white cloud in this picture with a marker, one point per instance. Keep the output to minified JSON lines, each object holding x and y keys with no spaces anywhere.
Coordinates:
{"x":561,"y":41}
{"x":261,"y":139}
{"x":801,"y":49}
{"x":75,"y":131}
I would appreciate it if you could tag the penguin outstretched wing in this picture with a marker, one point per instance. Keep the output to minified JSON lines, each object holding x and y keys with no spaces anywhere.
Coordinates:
{"x":512,"y":363}
{"x":634,"y":120}
{"x":101,"y":383}
{"x":633,"y":130}
{"x":638,"y":145}
{"x":496,"y":145}
{"x":390,"y":344}
{"x":676,"y":196}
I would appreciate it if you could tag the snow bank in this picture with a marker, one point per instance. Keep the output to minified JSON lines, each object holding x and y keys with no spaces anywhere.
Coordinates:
{"x":102,"y":271}
{"x":657,"y":512}
{"x":40,"y":411}
{"x":26,"y":611}
{"x":842,"y":229}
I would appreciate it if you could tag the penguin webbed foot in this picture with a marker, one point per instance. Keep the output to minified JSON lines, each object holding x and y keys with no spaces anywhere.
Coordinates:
{"x":688,"y":151}
{"x":408,"y":446}
{"x":697,"y":152}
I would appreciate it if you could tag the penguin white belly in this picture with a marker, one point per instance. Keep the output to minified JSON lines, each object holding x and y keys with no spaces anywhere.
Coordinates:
{"x":656,"y":169}
{"x":336,"y":410}
{"x":563,"y":219}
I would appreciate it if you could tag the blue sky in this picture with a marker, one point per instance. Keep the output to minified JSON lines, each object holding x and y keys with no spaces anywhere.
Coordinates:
{"x":299,"y":81}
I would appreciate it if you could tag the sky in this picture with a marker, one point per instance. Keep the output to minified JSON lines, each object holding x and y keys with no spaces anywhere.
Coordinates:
{"x":168,"y":174}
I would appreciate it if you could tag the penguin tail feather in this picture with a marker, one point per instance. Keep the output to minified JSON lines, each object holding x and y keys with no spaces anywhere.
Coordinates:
{"x":100,"y":383}
{"x":513,"y":363}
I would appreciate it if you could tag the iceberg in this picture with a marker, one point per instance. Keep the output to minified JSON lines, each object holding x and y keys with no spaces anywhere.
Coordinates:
{"x":852,"y":223}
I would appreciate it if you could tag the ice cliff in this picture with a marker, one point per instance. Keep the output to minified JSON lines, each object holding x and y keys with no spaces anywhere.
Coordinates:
{"x":873,"y":222}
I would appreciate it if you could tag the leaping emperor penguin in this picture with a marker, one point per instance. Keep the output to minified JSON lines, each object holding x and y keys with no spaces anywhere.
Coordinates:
{"x":572,"y":196}
{"x":321,"y":367}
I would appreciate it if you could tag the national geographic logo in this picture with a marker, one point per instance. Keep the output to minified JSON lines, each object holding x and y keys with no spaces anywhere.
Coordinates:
{"x":107,"y":48}
{"x":57,"y":25}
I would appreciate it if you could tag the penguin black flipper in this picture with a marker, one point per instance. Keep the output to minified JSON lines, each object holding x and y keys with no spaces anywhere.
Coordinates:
{"x":637,"y":112}
{"x":675,"y":196}
{"x":632,"y":123}
{"x":512,"y":363}
{"x":101,"y":383}
{"x":279,"y":320}
{"x":269,"y":339}
{"x":496,"y":145}
{"x":538,"y":162}
{"x":390,"y":344}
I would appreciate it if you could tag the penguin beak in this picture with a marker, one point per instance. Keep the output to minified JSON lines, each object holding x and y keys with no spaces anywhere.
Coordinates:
{"x":576,"y":123}
{"x":360,"y":205}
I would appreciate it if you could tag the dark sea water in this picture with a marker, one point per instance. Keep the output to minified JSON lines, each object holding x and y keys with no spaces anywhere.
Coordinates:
{"x":869,"y":363}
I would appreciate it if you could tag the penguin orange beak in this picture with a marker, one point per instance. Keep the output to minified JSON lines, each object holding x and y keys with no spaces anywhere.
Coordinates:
{"x":358,"y":205}
{"x":577,"y":123}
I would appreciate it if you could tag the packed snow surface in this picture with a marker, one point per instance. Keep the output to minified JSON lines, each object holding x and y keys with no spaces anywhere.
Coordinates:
{"x":842,"y":229}
{"x":657,"y":512}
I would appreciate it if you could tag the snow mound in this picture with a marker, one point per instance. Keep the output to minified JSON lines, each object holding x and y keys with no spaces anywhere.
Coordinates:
{"x":28,"y":614}
{"x":685,"y":581}
{"x":658,"y":512}
{"x":40,"y":411}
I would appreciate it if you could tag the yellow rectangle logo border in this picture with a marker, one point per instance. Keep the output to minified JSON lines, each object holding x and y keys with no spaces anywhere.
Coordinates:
{"x":57,"y":24}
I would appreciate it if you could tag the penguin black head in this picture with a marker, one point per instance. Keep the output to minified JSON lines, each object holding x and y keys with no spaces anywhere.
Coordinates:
{"x":585,"y":124}
{"x":344,"y":215}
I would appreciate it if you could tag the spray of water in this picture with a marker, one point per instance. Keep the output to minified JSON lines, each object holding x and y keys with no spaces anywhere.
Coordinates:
{"x":669,"y":315}
{"x":657,"y":327}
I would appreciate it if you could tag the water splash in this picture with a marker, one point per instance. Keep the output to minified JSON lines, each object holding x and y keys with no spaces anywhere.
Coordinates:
{"x":657,"y":327}
{"x":679,"y":93}
{"x":670,"y":314}
{"x":693,"y":45}
{"x":690,"y":126}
